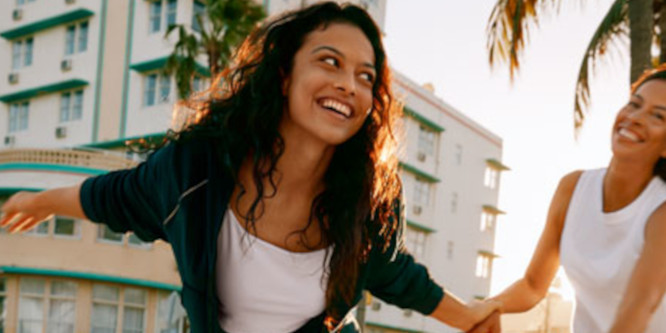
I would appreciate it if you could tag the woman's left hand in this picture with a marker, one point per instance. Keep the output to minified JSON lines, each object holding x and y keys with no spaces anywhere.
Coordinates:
{"x":489,"y":325}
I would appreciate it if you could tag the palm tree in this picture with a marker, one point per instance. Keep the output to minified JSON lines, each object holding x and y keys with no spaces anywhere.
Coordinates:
{"x":642,"y":22}
{"x":218,"y":27}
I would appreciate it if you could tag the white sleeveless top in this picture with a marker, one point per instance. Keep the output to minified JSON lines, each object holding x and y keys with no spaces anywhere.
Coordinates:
{"x":264,"y":288}
{"x":599,"y":251}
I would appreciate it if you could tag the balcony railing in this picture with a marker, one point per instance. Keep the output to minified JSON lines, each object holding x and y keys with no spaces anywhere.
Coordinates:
{"x":103,"y":160}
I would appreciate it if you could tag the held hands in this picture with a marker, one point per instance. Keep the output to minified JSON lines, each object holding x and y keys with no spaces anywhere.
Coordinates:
{"x":22,"y":212}
{"x":490,"y":323}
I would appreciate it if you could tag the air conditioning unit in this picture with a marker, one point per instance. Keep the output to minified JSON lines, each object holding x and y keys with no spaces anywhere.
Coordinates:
{"x":417,"y":210}
{"x":376,"y":306}
{"x":13,"y":78}
{"x":17,"y":14}
{"x":421,"y":156}
{"x":66,"y":65}
{"x":69,"y":2}
{"x":61,"y":132}
{"x":9,"y":140}
{"x":407,"y":313}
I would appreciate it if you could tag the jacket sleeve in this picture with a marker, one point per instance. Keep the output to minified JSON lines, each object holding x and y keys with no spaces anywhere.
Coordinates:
{"x":397,"y":279}
{"x":137,"y":199}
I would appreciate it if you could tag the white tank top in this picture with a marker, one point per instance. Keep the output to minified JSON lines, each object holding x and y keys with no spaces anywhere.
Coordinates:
{"x":599,"y":251}
{"x":264,"y":288}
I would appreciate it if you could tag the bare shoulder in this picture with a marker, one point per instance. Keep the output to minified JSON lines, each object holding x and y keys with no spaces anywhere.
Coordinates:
{"x":656,"y":225}
{"x":560,"y":203}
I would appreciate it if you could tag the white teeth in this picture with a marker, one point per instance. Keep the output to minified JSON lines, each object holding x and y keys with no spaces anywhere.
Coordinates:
{"x":629,"y":135}
{"x":337,"y":106}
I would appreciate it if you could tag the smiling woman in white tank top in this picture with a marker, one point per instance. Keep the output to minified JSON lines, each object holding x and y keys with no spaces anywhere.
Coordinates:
{"x":608,"y":228}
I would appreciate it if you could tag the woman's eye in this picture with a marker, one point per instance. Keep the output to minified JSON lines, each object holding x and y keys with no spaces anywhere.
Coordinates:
{"x":331,"y":61}
{"x":633,"y":104}
{"x":368,"y":77}
{"x":659,"y":115}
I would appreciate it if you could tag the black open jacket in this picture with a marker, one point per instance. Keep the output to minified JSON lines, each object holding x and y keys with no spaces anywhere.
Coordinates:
{"x":180,"y":195}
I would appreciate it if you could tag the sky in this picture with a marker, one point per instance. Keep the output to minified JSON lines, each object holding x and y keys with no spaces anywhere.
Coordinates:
{"x":443,"y":42}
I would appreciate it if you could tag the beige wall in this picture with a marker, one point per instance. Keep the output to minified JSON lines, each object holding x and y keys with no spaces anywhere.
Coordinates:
{"x":113,"y":69}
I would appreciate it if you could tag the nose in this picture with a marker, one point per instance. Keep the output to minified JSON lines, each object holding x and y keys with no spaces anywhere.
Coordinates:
{"x":346,"y":83}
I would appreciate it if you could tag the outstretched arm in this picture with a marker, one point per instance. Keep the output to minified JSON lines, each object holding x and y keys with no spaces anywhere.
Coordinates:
{"x":648,"y":280}
{"x":454,"y":312}
{"x":533,"y":286}
{"x":24,"y":210}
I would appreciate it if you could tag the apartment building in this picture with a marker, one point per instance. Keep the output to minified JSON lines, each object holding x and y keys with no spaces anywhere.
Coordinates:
{"x":80,"y":77}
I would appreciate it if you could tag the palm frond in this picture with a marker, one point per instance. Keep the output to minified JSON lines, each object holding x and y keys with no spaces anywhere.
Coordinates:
{"x":614,"y":26}
{"x":508,"y":29}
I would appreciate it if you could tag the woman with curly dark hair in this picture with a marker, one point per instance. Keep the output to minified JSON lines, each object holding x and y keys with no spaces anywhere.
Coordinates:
{"x":280,"y":196}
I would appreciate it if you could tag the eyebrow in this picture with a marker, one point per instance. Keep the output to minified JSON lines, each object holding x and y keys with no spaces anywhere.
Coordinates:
{"x":334,"y":50}
{"x":660,"y":107}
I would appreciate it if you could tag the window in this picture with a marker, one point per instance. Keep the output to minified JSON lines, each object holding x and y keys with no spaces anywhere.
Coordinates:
{"x":421,"y":192}
{"x":483,"y":262}
{"x":83,"y":36}
{"x":107,"y":304}
{"x":23,"y":2}
{"x":172,"y":7}
{"x":416,"y":241}
{"x":133,"y":240}
{"x":63,"y":226}
{"x":168,"y":309}
{"x":487,"y":221}
{"x":46,"y":304}
{"x":18,"y":116}
{"x":71,"y":106}
{"x":454,"y":202}
{"x":134,"y":308}
{"x":490,"y":179}
{"x":3,"y":311}
{"x":105,"y":309}
{"x":150,"y":89}
{"x":71,"y":38}
{"x":459,"y":154}
{"x":449,"y":249}
{"x":22,"y":51}
{"x":62,"y":307}
{"x":426,"y":143}
{"x":155,"y":15}
{"x":108,"y":235}
{"x":198,"y":83}
{"x":198,"y":9}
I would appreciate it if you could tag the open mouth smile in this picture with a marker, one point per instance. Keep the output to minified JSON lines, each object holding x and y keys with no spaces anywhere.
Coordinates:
{"x":336,"y":106}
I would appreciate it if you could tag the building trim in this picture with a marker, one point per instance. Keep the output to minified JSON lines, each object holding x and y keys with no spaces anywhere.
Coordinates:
{"x":422,"y":119}
{"x":492,"y":210}
{"x":497,"y":164}
{"x":121,"y":142}
{"x":12,"y":190}
{"x":100,"y":62}
{"x":394,"y":328}
{"x":88,"y":276}
{"x":47,"y":23}
{"x":160,"y":63}
{"x":43,"y":90}
{"x":51,"y":167}
{"x":467,"y":123}
{"x":420,"y":227}
{"x":412,"y":169}
{"x":128,"y":58}
{"x":488,"y":253}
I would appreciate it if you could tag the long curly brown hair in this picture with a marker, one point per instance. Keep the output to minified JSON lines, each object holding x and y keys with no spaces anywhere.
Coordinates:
{"x":242,"y":110}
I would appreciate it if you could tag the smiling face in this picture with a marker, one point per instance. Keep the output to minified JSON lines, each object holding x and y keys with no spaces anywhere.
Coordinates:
{"x":329,"y":89}
{"x":639,"y":131}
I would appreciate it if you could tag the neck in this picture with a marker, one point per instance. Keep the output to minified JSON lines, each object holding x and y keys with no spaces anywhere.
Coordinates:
{"x":624,"y":182}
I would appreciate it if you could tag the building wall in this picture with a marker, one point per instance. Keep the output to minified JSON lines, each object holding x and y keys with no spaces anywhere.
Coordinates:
{"x":48,"y":52}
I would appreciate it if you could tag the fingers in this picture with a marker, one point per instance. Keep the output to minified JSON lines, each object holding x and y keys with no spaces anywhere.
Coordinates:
{"x":21,"y":224}
{"x":9,"y":218}
{"x":489,"y":325}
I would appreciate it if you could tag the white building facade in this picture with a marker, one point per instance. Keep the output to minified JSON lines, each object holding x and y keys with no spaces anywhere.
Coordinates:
{"x":87,"y":73}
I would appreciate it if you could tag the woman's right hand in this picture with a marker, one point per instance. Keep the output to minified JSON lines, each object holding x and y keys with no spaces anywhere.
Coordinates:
{"x":23,"y":211}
